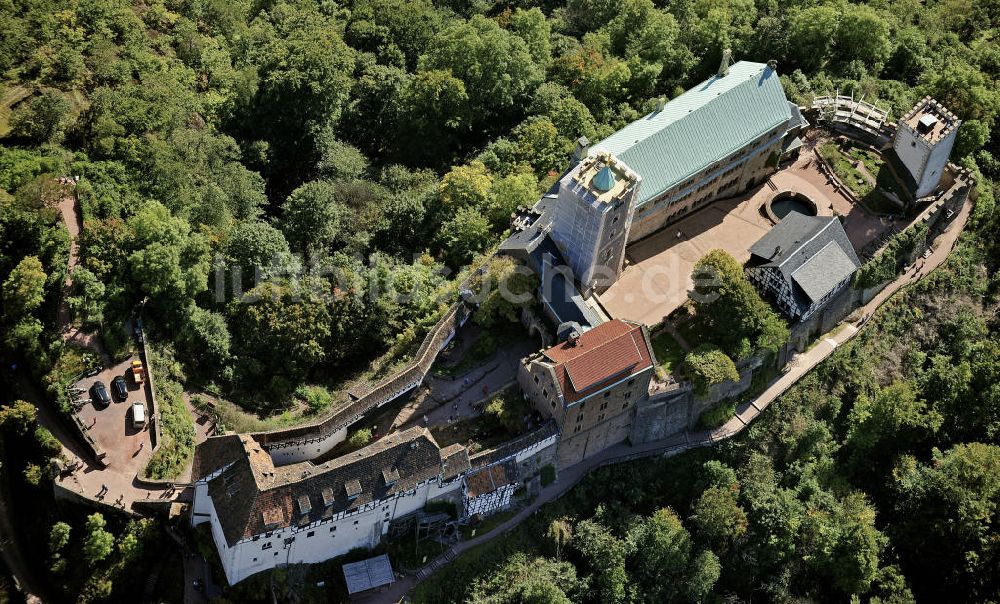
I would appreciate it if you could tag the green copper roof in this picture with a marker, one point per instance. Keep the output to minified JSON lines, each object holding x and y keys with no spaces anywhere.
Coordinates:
{"x":604,"y":180}
{"x":701,"y":126}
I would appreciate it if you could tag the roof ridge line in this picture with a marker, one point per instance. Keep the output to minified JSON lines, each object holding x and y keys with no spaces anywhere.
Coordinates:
{"x":813,"y":257}
{"x":807,"y":241}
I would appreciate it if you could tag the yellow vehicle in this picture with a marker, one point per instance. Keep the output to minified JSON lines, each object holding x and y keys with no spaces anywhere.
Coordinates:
{"x":138,"y":372}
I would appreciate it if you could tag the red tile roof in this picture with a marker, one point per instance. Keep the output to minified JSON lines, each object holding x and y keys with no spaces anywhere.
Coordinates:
{"x":607,"y":353}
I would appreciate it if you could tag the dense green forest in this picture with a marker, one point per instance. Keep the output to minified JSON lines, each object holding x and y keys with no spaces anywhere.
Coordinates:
{"x":268,"y":177}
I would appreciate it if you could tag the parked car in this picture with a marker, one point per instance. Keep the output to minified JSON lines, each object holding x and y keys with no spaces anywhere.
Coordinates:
{"x":138,"y":374}
{"x":99,"y":394}
{"x":119,"y":388}
{"x":138,"y":415}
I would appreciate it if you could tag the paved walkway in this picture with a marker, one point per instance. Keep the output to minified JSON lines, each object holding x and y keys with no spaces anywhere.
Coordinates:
{"x":745,"y":414}
{"x":74,"y":224}
{"x":463,"y":396}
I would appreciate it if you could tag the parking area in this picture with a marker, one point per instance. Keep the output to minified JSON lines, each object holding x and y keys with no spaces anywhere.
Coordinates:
{"x":128,"y":447}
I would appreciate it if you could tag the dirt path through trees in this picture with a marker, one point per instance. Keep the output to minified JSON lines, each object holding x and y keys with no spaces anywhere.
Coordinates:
{"x":69,"y":209}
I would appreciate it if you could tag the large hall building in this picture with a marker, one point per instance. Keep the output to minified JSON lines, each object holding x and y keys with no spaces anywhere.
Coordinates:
{"x":717,"y":140}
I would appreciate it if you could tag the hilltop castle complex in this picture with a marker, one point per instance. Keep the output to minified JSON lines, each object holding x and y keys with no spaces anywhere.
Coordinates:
{"x":269,"y":504}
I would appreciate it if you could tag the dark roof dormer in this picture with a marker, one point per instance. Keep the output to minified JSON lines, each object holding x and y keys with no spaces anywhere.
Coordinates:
{"x":352,"y":488}
{"x":328,"y":497}
{"x":273,"y":517}
{"x":390,"y":476}
{"x":305,"y":505}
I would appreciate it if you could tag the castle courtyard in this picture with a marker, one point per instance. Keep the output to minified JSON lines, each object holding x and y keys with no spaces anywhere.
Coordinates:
{"x":657,"y":276}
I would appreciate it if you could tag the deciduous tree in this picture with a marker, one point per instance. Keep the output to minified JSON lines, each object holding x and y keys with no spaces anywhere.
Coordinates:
{"x":311,"y":217}
{"x":98,"y":543}
{"x":24,"y":289}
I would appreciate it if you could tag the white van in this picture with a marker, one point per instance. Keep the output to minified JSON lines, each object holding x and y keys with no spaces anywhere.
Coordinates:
{"x":138,"y":415}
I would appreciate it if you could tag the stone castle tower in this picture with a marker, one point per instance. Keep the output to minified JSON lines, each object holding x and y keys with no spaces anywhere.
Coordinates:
{"x":923,"y":142}
{"x":592,"y":217}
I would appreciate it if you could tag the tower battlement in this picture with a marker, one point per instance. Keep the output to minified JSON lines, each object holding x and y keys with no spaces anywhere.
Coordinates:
{"x":923,"y":142}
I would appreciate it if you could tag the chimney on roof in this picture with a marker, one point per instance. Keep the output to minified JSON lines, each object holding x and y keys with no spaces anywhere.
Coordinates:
{"x":582,"y":148}
{"x":772,"y":65}
{"x":727,"y":60}
{"x":661,"y":103}
{"x":574,"y":338}
{"x":777,"y":251}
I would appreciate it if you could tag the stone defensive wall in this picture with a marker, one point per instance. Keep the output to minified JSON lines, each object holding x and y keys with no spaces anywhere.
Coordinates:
{"x":520,"y":448}
{"x":305,"y":442}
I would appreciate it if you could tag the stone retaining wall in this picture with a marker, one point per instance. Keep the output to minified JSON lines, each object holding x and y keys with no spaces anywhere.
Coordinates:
{"x":675,"y":411}
{"x":154,"y":416}
{"x":83,"y":431}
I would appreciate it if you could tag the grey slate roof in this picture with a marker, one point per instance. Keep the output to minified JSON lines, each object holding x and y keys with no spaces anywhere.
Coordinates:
{"x":563,"y":298}
{"x":705,"y":124}
{"x":821,"y":273}
{"x":798,"y":120}
{"x":812,"y":254}
{"x":535,"y":247}
{"x":368,"y":574}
